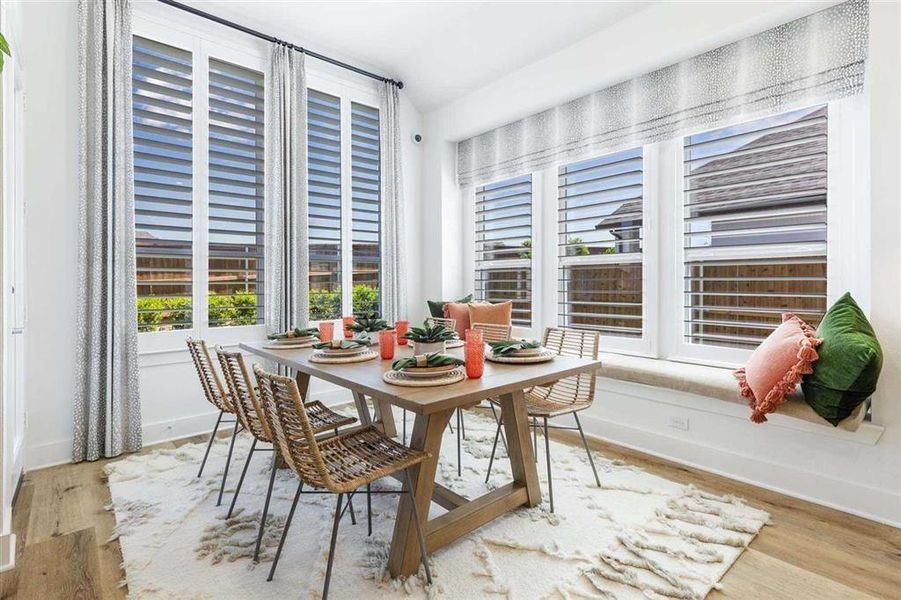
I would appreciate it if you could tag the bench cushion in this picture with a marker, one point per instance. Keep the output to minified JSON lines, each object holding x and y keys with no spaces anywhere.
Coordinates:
{"x":711,"y":382}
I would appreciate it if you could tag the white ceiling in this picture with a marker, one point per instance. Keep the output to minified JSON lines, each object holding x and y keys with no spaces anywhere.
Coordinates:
{"x":441,"y":50}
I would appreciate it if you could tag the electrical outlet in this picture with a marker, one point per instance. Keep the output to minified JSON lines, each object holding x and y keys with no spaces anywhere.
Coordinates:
{"x":678,"y":423}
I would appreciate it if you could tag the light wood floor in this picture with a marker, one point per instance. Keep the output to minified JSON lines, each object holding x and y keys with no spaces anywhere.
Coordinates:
{"x":808,"y":551}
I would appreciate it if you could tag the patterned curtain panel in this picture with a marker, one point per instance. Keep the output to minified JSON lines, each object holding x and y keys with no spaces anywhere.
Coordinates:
{"x":107,"y":406}
{"x":393,"y":269}
{"x":808,"y":61}
{"x":287,"y":255}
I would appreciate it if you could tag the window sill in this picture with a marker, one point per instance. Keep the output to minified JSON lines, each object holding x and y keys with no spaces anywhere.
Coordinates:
{"x":712,"y":389}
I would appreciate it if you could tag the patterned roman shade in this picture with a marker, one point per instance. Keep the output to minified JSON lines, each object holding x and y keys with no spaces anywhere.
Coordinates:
{"x":808,"y":61}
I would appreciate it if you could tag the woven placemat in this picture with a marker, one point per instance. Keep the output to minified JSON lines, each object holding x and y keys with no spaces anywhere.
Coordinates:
{"x":397,"y":378}
{"x":318,"y":357}
{"x":544,"y":356}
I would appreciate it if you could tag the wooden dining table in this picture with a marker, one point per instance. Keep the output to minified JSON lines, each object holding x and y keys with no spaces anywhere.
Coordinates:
{"x":433,"y":408}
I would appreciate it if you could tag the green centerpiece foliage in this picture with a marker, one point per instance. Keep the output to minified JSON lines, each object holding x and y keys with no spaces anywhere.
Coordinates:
{"x":368,"y":323}
{"x":436,"y":359}
{"x":509,"y":346}
{"x":430,"y":334}
{"x":295,"y":333}
{"x":341,"y":344}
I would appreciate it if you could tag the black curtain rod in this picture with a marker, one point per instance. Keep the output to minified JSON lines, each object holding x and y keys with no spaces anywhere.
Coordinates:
{"x":275,"y":40}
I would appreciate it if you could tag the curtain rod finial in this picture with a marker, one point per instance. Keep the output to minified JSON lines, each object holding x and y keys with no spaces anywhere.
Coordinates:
{"x":400,"y":85}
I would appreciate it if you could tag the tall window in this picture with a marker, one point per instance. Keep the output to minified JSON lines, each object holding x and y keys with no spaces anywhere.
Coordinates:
{"x":366,"y":209}
{"x":344,"y":205}
{"x":755,"y":227}
{"x":503,"y":228}
{"x":162,"y":79}
{"x":600,"y":244}
{"x":235,"y":195}
{"x":324,"y":191}
{"x":199,"y":246}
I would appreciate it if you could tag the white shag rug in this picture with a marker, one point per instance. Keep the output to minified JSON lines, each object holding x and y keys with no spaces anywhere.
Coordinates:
{"x":637,"y":536}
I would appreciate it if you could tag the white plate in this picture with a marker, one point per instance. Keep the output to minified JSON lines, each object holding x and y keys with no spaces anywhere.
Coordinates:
{"x":428,"y":372}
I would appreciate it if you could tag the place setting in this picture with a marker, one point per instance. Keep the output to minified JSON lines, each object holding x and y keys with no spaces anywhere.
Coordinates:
{"x":519,"y":352}
{"x":426,"y":370}
{"x":339,"y":351}
{"x":292,"y":339}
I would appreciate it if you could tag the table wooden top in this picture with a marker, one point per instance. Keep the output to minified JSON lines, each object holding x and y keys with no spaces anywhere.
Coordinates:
{"x":366,"y":377}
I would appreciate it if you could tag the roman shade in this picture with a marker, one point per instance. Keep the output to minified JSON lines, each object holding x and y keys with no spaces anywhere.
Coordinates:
{"x":808,"y":61}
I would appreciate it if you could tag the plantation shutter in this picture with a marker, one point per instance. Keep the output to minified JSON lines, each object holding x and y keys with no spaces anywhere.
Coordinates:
{"x":324,"y":190}
{"x":755,"y":227}
{"x":163,"y":173}
{"x":236,"y":161}
{"x":503,"y":228}
{"x":600,"y":225}
{"x":366,"y":208}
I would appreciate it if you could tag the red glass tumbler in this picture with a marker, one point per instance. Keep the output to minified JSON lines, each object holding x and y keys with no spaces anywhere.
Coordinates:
{"x":347,"y":322}
{"x":474,"y":351}
{"x":326,"y":331}
{"x":387,"y":338}
{"x":402,"y":327}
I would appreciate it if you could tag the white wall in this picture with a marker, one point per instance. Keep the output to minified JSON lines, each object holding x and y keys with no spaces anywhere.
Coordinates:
{"x":859,"y":473}
{"x":172,"y":402}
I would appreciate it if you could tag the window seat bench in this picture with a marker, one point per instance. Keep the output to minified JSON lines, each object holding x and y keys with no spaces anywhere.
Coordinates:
{"x":711,"y":382}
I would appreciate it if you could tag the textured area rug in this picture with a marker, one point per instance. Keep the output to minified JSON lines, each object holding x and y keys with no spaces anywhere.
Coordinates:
{"x":635,"y":536}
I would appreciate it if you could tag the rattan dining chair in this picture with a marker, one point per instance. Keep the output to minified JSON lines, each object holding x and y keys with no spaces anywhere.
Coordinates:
{"x":218,"y":396}
{"x":250,"y":413}
{"x":564,"y":397}
{"x":339,"y":464}
{"x":490,"y":333}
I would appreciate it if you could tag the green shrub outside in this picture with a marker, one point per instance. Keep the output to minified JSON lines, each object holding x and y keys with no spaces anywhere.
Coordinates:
{"x":156,"y":314}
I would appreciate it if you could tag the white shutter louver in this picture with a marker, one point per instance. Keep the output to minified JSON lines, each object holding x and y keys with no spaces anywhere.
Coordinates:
{"x":503,"y":228}
{"x":600,"y":220}
{"x":236,"y":161}
{"x":755,"y":227}
{"x":324,"y":176}
{"x":163,"y":171}
{"x":366,"y":208}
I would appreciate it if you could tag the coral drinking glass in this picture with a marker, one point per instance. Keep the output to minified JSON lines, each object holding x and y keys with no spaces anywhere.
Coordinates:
{"x":347,"y":322}
{"x":326,"y":331}
{"x":402,"y":327}
{"x":387,"y":339}
{"x":474,"y":351}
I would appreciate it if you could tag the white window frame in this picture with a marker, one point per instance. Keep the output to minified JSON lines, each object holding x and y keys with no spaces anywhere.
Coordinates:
{"x":323,"y":79}
{"x":848,"y":245}
{"x":202,"y":40}
{"x":847,"y":215}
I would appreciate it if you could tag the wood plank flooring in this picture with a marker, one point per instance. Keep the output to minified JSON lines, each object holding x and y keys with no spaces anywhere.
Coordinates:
{"x":808,"y":552}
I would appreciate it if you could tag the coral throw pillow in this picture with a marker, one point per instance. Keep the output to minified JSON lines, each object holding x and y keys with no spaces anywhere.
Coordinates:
{"x":492,"y":314}
{"x":777,"y":366}
{"x":460,"y":312}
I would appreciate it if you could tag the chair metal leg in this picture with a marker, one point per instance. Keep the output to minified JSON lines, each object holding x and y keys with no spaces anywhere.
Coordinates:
{"x":493,"y":450}
{"x":419,"y":536}
{"x":231,"y":508}
{"x":281,"y":542}
{"x":535,"y":439}
{"x":587,"y":450}
{"x":331,"y":550}
{"x":210,"y":443}
{"x":231,"y":448}
{"x":350,"y":508}
{"x":459,"y":445}
{"x":369,"y":507}
{"x":547,"y":451}
{"x":256,"y":552}
{"x":498,"y":419}
{"x":462,"y":422}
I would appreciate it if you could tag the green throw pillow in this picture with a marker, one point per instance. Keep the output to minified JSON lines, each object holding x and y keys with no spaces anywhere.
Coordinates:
{"x":436,"y":307}
{"x":850,"y":360}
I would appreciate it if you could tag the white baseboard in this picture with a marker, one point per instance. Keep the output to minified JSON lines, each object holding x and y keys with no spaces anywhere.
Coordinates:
{"x":853,"y":498}
{"x":60,"y":452}
{"x":7,"y":552}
